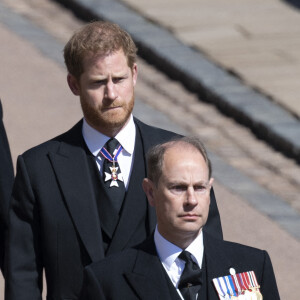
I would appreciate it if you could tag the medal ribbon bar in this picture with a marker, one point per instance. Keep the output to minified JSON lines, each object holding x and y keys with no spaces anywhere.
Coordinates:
{"x":242,"y":286}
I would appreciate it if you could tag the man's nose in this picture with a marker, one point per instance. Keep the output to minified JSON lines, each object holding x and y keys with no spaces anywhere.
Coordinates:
{"x":191,"y":198}
{"x":110,"y":91}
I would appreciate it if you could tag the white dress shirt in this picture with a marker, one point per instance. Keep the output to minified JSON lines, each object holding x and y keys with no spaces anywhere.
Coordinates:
{"x":168,"y":254}
{"x":95,"y":140}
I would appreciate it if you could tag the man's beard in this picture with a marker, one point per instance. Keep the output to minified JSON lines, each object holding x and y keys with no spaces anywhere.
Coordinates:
{"x":105,"y":121}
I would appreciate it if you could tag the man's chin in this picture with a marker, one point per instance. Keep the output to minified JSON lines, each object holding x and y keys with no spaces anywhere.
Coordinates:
{"x":108,"y":126}
{"x":114,"y":121}
{"x":190,"y":227}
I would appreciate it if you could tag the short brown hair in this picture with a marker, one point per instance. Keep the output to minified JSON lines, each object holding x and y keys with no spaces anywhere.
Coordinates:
{"x":155,"y":156}
{"x":98,"y":38}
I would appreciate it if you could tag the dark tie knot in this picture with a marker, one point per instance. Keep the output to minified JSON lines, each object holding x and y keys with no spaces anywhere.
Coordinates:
{"x":111,"y":145}
{"x":191,"y":274}
{"x":186,"y":256}
{"x":190,"y":263}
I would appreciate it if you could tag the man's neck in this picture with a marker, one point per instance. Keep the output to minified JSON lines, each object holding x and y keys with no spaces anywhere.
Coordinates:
{"x":95,"y":140}
{"x":168,"y":251}
{"x":110,"y":132}
{"x":181,"y":240}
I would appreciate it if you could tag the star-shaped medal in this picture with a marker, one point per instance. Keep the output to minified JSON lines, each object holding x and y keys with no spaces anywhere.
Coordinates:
{"x":114,"y":176}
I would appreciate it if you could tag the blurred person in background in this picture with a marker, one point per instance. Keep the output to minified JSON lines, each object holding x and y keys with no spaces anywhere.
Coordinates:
{"x":6,"y":183}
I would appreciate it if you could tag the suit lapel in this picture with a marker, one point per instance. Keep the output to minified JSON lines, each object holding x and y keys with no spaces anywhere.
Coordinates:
{"x":217,"y":263}
{"x":148,"y":278}
{"x":147,"y":141}
{"x":71,"y":168}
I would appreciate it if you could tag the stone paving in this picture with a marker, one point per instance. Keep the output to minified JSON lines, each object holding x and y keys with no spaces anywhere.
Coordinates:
{"x":39,"y":85}
{"x":257,"y":40}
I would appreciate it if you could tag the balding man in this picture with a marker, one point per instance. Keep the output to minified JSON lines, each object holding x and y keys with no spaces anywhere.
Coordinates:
{"x":180,"y":261}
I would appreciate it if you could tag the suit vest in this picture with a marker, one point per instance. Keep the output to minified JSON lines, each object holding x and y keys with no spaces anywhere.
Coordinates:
{"x":136,"y":178}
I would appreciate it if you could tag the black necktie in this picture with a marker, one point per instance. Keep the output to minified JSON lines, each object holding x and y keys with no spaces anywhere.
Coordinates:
{"x":110,"y":207}
{"x":191,"y":277}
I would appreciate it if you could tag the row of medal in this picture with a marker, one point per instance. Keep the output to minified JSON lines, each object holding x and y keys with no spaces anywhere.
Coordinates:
{"x":242,"y":286}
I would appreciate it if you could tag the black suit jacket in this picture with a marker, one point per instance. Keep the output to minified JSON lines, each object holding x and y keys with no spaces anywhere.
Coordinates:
{"x":138,"y":273}
{"x":6,"y":183}
{"x":54,"y":221}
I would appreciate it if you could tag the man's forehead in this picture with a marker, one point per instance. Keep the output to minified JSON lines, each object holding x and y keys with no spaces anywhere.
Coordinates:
{"x":92,"y":62}
{"x":180,"y":149}
{"x":100,"y":54}
{"x":178,"y":155}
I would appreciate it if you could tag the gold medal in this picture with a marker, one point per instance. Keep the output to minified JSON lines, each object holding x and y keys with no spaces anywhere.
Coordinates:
{"x":253,"y":294}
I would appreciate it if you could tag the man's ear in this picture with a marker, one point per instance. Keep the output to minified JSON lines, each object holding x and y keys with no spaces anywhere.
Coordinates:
{"x":134,"y":73}
{"x":211,"y":181}
{"x":148,"y":187}
{"x":73,"y":84}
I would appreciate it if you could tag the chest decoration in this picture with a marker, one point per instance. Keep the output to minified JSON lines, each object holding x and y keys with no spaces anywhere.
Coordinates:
{"x":114,"y":176}
{"x":241,"y":286}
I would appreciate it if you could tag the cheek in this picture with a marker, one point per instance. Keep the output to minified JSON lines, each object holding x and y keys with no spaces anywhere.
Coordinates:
{"x":94,"y":97}
{"x":171,"y":206}
{"x":162,"y":205}
{"x":126,"y":91}
{"x":166,"y":203}
{"x":204,"y":204}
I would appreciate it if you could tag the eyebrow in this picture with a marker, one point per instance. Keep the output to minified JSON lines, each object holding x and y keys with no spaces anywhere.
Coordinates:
{"x":180,"y":182}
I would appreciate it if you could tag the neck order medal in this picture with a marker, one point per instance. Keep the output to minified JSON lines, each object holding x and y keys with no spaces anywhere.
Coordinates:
{"x":114,"y":176}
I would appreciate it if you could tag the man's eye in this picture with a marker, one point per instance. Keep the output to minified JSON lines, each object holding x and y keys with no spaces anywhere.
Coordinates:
{"x":99,"y":82}
{"x":179,"y":188}
{"x":118,"y":79}
{"x":200,"y":188}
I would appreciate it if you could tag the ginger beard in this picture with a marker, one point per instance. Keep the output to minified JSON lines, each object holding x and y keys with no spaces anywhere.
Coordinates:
{"x":114,"y":115}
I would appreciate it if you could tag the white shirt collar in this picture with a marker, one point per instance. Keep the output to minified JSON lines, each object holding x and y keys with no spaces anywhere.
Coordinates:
{"x":166,"y":251}
{"x":95,"y":140}
{"x":196,"y":248}
{"x":169,"y":252}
